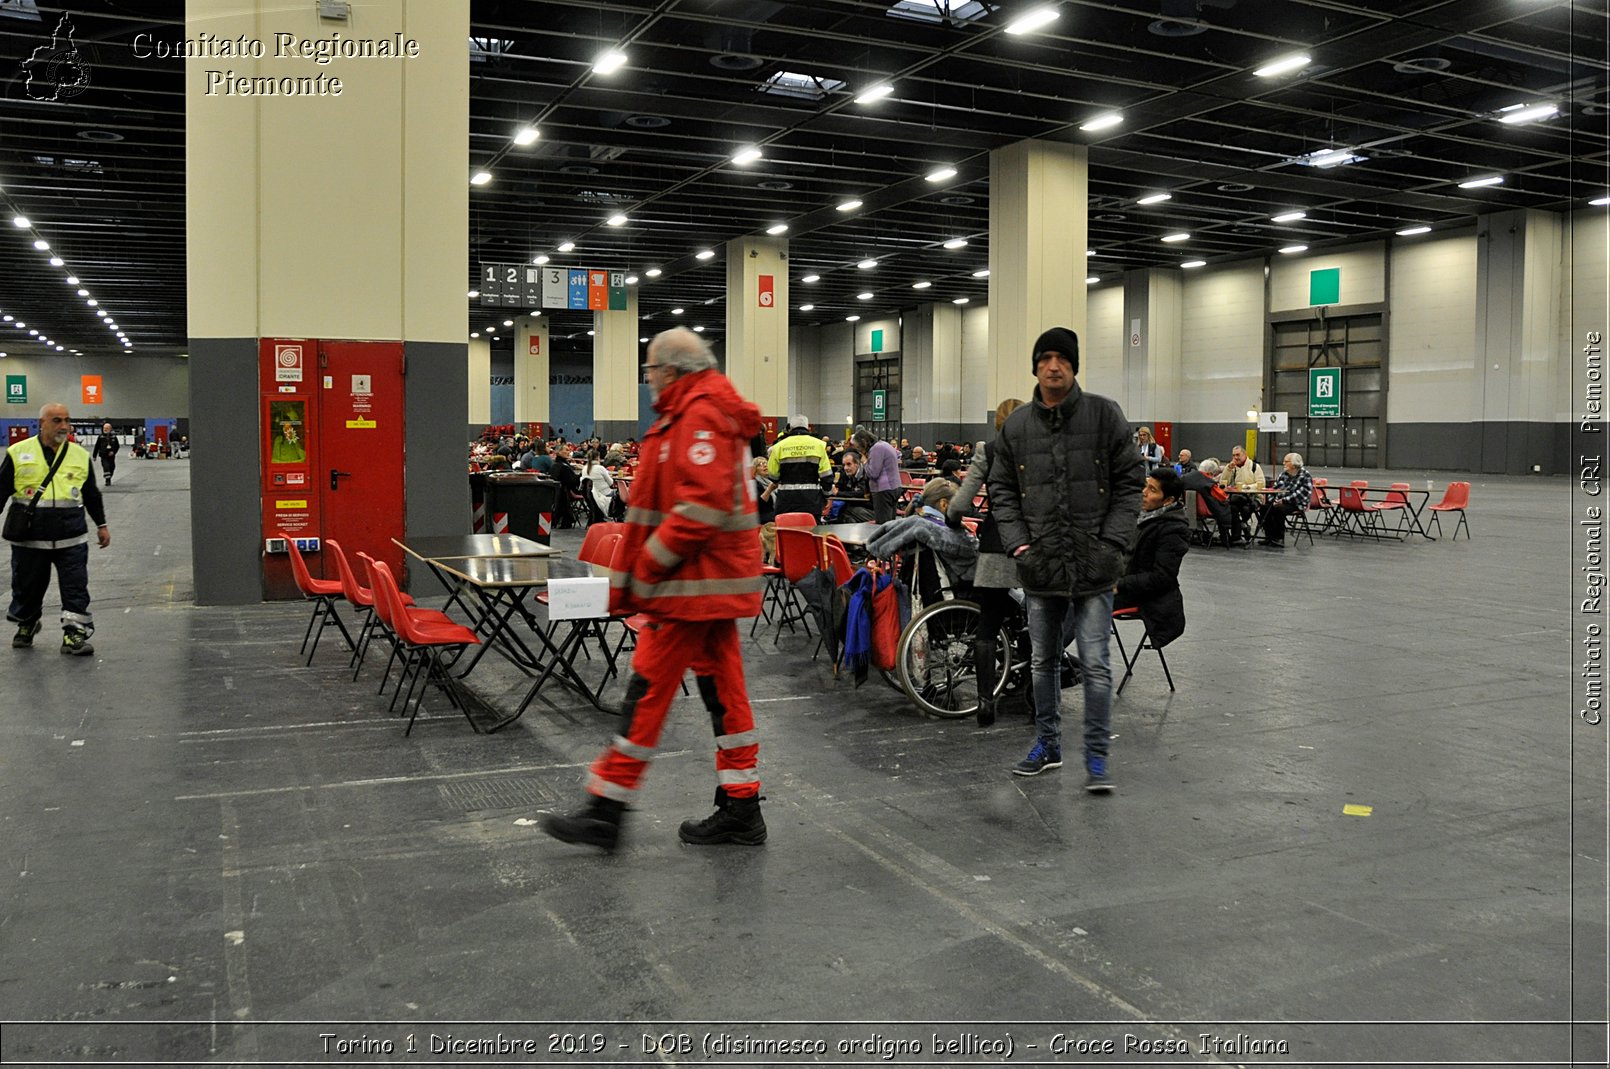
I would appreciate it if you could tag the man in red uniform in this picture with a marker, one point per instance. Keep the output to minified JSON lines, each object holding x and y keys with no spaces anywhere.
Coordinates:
{"x":690,"y":560}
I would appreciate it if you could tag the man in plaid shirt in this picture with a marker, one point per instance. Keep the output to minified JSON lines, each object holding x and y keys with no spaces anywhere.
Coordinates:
{"x":1292,"y":490}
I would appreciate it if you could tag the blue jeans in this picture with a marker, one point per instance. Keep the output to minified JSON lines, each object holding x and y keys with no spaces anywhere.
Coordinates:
{"x":1053,"y":623}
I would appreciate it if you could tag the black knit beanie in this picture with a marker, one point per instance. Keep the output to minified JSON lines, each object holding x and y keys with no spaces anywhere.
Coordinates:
{"x":1058,"y":340}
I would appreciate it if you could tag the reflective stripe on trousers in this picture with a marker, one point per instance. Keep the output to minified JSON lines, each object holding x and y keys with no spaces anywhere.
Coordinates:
{"x":664,"y":652}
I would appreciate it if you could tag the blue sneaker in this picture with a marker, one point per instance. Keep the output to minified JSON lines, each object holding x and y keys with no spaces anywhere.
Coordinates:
{"x":1096,"y":778}
{"x":1046,"y":754}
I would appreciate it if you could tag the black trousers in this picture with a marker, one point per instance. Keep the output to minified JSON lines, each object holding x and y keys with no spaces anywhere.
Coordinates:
{"x":108,"y":463}
{"x":885,"y":503}
{"x":30,"y":578}
{"x":1274,"y":521}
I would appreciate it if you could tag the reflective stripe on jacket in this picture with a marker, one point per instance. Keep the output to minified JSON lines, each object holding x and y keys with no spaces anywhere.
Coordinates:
{"x":59,"y":517}
{"x":691,"y":547}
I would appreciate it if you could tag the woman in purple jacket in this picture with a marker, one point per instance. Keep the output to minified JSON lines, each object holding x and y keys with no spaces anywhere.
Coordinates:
{"x":882,"y":474}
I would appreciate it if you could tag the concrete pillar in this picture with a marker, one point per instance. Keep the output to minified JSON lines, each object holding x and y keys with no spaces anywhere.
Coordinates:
{"x":617,"y":355}
{"x":531,"y":356}
{"x":1153,"y":344}
{"x":1520,"y":272}
{"x":1038,"y":195}
{"x":931,"y":373}
{"x":757,"y":321}
{"x":326,"y":216}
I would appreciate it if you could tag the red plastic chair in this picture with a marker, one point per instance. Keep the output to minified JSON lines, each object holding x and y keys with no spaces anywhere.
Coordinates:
{"x":1359,"y":517}
{"x":359,"y":597}
{"x":797,"y":554}
{"x":323,"y":593}
{"x":1454,"y":499}
{"x":423,"y":644}
{"x":387,"y":624}
{"x":1132,"y":613}
{"x":1396,"y":500}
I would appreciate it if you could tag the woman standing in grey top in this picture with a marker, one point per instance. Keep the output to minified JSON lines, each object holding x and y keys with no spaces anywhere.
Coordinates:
{"x":995,"y":575}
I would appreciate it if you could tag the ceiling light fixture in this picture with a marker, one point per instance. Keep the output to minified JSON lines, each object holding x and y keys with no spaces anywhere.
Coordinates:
{"x":780,"y":228}
{"x":867,"y":265}
{"x":1413,"y":230}
{"x":960,"y":300}
{"x":1090,"y":252}
{"x":941,"y":174}
{"x":618,"y":219}
{"x":877,"y":92}
{"x":847,"y":206}
{"x":807,"y":308}
{"x":852,"y":319}
{"x":525,"y":135}
{"x":480,"y":178}
{"x":20,"y":221}
{"x":609,"y":61}
{"x":699,"y":329}
{"x":704,"y":254}
{"x":1290,"y":249}
{"x":956,"y":243}
{"x":1106,"y":120}
{"x":1600,"y":202}
{"x":540,"y":259}
{"x":747,"y":154}
{"x":653,"y":272}
{"x":1516,"y":114}
{"x":811,"y":278}
{"x":1288,"y":217}
{"x":1171,"y":238}
{"x":921,"y":285}
{"x":72,"y":280}
{"x":57,"y":261}
{"x":631,"y":280}
{"x":1194,"y":263}
{"x":1155,"y":198}
{"x":83,"y":293}
{"x":864,"y":296}
{"x":1477,"y":183}
{"x":567,"y":246}
{"x":1092,"y":280}
{"x":981,"y":274}
{"x":1037,"y":19}
{"x":1284,"y":65}
{"x":1329,"y":157}
{"x":677,"y":311}
{"x":42,"y":245}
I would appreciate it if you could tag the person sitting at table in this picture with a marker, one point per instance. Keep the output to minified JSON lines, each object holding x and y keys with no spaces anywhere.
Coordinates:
{"x":1151,"y":583}
{"x":1295,"y":487}
{"x":569,"y":479}
{"x":765,"y":501}
{"x":600,"y":490}
{"x":1204,"y":479}
{"x":1242,"y":474}
{"x":852,"y":483}
{"x":930,"y":529}
{"x":1183,"y":463}
{"x":536,"y":458}
{"x":798,"y":461}
{"x":952,"y":470}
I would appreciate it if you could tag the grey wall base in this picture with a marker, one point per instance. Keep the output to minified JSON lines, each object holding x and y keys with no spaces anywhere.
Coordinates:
{"x":1497,"y":448}
{"x":225,"y":457}
{"x":615,"y":430}
{"x":435,"y":473}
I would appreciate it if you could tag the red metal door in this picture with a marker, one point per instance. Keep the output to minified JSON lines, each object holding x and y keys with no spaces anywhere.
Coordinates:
{"x":359,"y":472}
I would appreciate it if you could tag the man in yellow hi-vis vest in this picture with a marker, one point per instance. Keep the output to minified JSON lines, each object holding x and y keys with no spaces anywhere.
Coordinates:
{"x":45,"y":525}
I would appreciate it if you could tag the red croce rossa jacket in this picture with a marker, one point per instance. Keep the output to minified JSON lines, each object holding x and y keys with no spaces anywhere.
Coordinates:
{"x":691,"y":549}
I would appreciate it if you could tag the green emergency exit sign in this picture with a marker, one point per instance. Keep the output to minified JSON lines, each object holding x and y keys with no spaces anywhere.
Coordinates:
{"x":880,"y":405}
{"x":16,"y":389}
{"x":1324,"y":392}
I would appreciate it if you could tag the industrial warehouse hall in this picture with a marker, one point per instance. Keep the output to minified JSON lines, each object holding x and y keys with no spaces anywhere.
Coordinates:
{"x":219,"y":854}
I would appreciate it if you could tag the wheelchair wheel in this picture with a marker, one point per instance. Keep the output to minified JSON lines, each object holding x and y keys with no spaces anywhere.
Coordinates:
{"x":934,"y":660}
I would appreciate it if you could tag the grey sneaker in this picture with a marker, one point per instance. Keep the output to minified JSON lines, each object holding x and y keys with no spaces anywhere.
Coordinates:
{"x":76,"y":644}
{"x":1046,"y":754}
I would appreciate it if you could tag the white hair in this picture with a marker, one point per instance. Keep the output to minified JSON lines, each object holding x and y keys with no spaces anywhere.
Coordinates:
{"x":1295,"y":458}
{"x":682,"y":349}
{"x":1209,"y":467}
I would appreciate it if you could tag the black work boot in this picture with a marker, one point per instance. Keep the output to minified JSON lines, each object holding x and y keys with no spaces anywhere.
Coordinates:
{"x":598,"y":823}
{"x":984,"y":664}
{"x":736,"y":820}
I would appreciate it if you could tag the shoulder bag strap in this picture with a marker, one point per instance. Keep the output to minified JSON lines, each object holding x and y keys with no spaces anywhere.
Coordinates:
{"x":61,"y":454}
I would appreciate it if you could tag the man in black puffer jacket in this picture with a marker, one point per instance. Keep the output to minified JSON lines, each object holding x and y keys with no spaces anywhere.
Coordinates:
{"x":1064,"y":486}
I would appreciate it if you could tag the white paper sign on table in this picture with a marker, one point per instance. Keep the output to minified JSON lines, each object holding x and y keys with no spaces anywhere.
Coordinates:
{"x":578,"y":599}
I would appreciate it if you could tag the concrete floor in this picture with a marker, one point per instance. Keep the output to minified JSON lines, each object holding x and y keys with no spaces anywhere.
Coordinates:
{"x":217,"y":854}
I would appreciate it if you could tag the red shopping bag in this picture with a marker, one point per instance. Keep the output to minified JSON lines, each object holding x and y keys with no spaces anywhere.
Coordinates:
{"x":891,"y":609}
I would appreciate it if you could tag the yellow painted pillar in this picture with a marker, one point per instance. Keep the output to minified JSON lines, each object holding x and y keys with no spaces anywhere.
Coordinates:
{"x":757,"y":321}
{"x":616,"y":376}
{"x":531,"y":357}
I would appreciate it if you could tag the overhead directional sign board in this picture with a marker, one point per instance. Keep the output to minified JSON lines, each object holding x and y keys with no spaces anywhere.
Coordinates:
{"x":529,"y":286}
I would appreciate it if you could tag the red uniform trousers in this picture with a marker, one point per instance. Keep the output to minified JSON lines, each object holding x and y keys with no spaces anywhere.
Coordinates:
{"x":665,"y":650}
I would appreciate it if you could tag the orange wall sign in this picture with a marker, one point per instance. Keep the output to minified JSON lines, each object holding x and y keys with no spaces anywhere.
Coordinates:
{"x":92,"y":389}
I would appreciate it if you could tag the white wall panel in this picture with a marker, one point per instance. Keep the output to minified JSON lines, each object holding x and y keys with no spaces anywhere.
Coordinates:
{"x":1363,"y":279}
{"x":1432,"y":333}
{"x":1221,"y":370}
